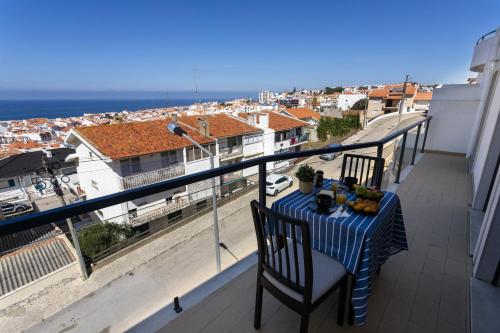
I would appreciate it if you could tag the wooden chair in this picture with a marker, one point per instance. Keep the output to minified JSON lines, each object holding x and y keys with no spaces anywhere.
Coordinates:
{"x":300,"y":277}
{"x":368,"y":169}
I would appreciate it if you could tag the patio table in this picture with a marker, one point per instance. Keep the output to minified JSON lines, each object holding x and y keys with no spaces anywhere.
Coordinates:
{"x":360,"y":242}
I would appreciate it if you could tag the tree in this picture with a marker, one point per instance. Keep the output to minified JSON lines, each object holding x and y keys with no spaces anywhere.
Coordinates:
{"x":330,"y":90}
{"x":360,"y":105}
{"x":101,"y":236}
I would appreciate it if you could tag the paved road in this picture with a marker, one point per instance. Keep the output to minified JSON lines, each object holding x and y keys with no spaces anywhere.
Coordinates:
{"x":146,"y":279}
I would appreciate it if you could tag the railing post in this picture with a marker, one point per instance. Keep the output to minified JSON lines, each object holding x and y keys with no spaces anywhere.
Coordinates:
{"x":380,"y":149}
{"x":428,"y":122}
{"x":401,"y":156}
{"x":262,"y":183}
{"x":416,"y":145}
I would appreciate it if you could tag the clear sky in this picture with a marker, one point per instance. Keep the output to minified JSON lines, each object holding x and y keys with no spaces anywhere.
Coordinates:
{"x":52,"y":46}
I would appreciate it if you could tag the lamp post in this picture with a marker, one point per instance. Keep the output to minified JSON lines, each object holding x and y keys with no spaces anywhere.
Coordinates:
{"x":174,"y":128}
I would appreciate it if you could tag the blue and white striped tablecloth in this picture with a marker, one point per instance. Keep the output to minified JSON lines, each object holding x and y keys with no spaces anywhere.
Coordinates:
{"x":361,"y":243}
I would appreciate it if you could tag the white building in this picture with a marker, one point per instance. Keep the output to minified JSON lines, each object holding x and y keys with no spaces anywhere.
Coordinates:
{"x":113,"y":158}
{"x":267,"y":96}
{"x":347,"y":99}
{"x":281,"y":134}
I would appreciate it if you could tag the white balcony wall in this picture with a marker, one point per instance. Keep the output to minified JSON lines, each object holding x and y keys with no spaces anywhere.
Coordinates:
{"x":482,"y":54}
{"x":252,"y":150}
{"x":453,"y":109}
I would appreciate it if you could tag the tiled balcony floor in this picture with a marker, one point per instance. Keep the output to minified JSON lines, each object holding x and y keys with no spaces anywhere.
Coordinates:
{"x":422,"y":290}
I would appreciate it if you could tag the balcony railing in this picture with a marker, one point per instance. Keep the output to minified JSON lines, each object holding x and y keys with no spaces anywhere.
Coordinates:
{"x":294,"y":140}
{"x":157,"y":213}
{"x":56,"y":214}
{"x":151,"y":177}
{"x":231,"y":151}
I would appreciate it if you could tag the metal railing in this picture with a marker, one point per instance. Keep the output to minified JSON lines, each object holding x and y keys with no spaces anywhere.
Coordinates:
{"x":232,"y":175}
{"x":156,"y":213}
{"x":154,"y":176}
{"x":486,"y":36}
{"x":48,"y":216}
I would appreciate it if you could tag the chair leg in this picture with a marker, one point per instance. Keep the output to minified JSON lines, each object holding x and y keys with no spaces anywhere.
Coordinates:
{"x":350,"y":318}
{"x":341,"y":304}
{"x":304,"y":323}
{"x":258,"y":306}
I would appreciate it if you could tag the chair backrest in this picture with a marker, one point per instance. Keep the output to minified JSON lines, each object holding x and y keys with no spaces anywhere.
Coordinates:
{"x":368,"y":169}
{"x":278,"y":248}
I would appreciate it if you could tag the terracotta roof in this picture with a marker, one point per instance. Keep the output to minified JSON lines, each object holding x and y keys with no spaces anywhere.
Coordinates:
{"x":221,"y":125}
{"x":279,"y":122}
{"x":137,"y":138}
{"x":384,"y":91}
{"x":303,"y":113}
{"x":423,"y":96}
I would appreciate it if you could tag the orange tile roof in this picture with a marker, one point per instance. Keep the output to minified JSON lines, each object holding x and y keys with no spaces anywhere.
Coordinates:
{"x":423,"y":96}
{"x":279,"y":122}
{"x":384,"y":91}
{"x":303,"y":113}
{"x":137,"y":138}
{"x":221,"y":125}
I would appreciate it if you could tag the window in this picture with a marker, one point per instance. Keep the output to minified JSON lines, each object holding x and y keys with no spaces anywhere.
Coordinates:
{"x":100,"y":213}
{"x":94,"y":184}
{"x":170,"y":157}
{"x":130,"y":166}
{"x":195,"y":153}
{"x":132,"y":213}
{"x":252,"y":139}
{"x":7,"y":183}
{"x":281,"y":180}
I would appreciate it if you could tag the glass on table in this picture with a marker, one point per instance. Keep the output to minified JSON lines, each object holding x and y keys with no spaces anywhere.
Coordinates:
{"x":340,"y":196}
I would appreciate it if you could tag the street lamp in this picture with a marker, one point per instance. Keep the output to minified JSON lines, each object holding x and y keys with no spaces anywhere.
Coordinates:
{"x":174,"y":128}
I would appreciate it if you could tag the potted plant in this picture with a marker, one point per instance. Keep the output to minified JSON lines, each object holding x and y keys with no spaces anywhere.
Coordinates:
{"x":305,"y":174}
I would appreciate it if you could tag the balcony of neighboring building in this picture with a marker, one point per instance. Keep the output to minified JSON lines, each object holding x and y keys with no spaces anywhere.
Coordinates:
{"x":231,"y":147}
{"x":285,"y":140}
{"x":482,"y":51}
{"x":154,"y":176}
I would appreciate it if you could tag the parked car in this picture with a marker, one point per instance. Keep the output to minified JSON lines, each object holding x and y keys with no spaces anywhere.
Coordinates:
{"x":331,"y":156}
{"x":13,"y":208}
{"x":276,"y":183}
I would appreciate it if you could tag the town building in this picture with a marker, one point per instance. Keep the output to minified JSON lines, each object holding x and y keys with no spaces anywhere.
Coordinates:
{"x":347,"y":99}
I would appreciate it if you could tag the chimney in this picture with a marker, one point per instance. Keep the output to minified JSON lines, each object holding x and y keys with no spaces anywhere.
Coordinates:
{"x":203,"y":127}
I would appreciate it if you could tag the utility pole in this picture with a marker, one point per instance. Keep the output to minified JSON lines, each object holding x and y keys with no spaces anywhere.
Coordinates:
{"x":400,"y":111}
{"x":58,"y":190}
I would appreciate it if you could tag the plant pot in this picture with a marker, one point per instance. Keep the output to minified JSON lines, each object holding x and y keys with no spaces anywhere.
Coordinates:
{"x":305,"y":187}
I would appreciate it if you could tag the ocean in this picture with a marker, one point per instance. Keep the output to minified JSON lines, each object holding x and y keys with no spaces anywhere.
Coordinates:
{"x":25,"y":109}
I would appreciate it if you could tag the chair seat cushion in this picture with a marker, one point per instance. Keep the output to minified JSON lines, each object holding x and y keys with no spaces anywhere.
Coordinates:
{"x":326,"y":272}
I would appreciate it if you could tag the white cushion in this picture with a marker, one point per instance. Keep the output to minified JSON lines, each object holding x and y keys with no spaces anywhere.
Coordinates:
{"x":326,"y":272}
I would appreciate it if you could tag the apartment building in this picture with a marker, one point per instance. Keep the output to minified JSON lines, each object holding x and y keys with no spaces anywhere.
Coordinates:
{"x":117,"y":157}
{"x":282,"y":133}
{"x":236,"y":141}
{"x":388,"y":98}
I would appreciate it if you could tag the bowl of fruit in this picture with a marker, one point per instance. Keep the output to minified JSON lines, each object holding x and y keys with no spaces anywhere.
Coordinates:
{"x":364,"y":206}
{"x":370,"y":193}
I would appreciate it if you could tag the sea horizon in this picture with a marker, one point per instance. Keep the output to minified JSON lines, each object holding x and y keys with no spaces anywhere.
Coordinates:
{"x":19,"y":109}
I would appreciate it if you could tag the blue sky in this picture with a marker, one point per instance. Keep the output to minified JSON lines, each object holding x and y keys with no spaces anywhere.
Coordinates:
{"x":49,"y":47}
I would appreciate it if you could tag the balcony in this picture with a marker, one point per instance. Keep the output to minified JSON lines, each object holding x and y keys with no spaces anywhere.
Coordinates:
{"x":232,"y":176}
{"x":293,"y":141}
{"x":156,"y":213}
{"x":151,"y":177}
{"x":482,"y":51}
{"x":230,"y":152}
{"x":422,"y":290}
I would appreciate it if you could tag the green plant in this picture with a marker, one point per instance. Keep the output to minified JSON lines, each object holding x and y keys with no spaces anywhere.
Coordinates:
{"x":101,"y":236}
{"x":305,"y":173}
{"x":360,"y":105}
{"x":336,"y":127}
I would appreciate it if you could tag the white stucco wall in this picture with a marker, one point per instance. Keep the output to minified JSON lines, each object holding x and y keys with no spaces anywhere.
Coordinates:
{"x":453,"y":109}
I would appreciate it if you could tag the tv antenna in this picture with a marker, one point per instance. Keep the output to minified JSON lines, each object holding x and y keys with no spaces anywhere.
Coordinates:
{"x":195,"y":73}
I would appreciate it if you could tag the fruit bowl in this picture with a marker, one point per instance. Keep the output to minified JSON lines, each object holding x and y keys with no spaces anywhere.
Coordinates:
{"x":364,"y":206}
{"x":369,"y":193}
